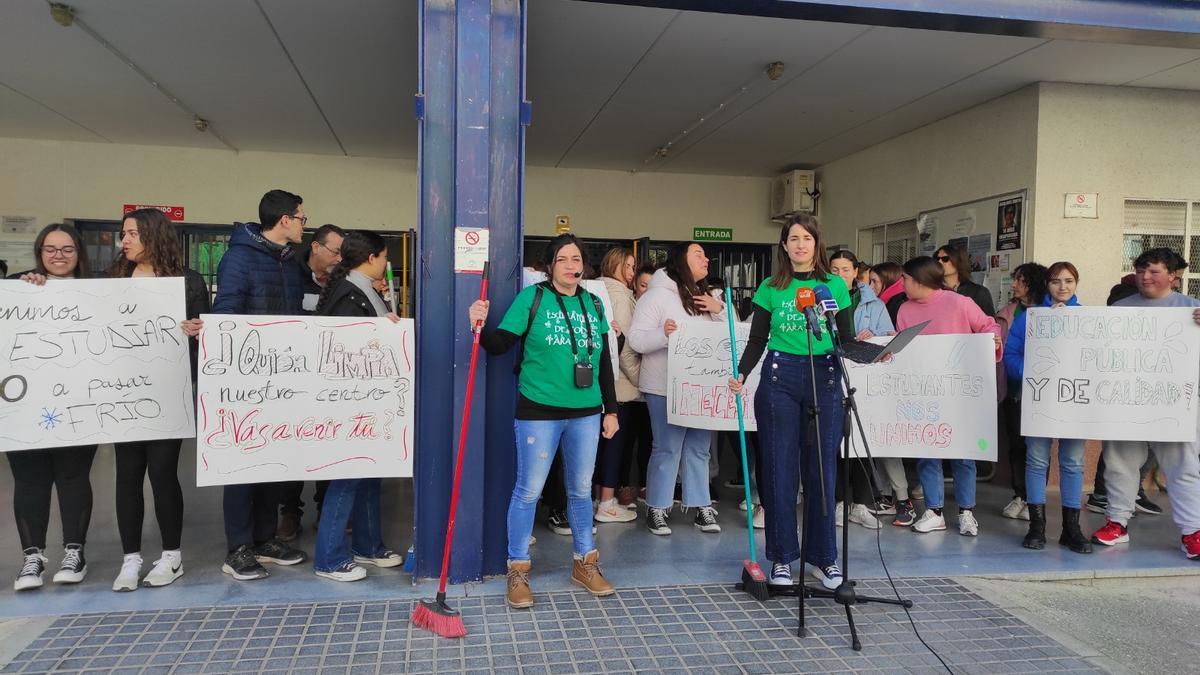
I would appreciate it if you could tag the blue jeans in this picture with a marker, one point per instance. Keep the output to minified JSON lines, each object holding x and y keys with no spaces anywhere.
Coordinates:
{"x":929,"y":471}
{"x":788,"y":450}
{"x":1070,"y":470}
{"x":671,"y":443}
{"x":537,"y":442}
{"x":356,"y":498}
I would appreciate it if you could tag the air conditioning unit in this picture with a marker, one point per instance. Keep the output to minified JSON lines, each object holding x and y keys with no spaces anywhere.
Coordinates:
{"x":789,"y":193}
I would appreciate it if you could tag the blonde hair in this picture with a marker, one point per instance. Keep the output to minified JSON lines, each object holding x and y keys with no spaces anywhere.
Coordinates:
{"x":610,"y":265}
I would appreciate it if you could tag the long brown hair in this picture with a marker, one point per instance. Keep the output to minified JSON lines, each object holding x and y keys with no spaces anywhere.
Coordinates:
{"x":613,"y":261}
{"x":679,"y":272}
{"x":160,"y":246}
{"x":782,"y":276}
{"x":82,"y":268}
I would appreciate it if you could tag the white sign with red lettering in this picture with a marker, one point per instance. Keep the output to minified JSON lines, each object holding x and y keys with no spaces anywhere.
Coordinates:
{"x":304,"y":398}
{"x":698,"y":368}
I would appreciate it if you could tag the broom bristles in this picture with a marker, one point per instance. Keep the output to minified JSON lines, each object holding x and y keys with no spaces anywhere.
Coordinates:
{"x":438,"y":619}
{"x":754,"y":581}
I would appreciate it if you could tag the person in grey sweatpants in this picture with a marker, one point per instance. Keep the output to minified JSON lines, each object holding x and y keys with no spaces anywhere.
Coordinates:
{"x":1180,"y":462}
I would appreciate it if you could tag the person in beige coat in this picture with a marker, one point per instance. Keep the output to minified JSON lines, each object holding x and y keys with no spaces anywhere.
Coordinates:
{"x":617,"y":271}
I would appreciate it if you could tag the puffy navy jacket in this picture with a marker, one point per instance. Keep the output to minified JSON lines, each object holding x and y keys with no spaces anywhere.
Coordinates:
{"x":258,"y":276}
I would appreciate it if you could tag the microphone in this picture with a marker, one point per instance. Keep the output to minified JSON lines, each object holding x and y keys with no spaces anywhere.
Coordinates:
{"x":806,"y":301}
{"x":828,"y":306}
{"x":577,"y":275}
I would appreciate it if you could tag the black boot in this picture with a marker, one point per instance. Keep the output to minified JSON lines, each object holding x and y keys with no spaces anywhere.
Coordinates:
{"x":1036,"y":539}
{"x":1071,"y":537}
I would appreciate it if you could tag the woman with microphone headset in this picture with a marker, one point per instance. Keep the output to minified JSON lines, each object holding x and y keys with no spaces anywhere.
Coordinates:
{"x":795,"y":368}
{"x":567,"y":396}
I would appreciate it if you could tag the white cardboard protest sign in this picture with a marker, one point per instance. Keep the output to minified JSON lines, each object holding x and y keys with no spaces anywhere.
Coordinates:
{"x":304,"y":398}
{"x":597,"y":288}
{"x":935,"y":399}
{"x":698,"y":368}
{"x":1111,"y":373}
{"x":93,"y":361}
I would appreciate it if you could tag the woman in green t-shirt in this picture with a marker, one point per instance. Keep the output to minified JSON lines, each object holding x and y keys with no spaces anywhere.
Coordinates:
{"x":567,"y":397}
{"x":785,"y":397}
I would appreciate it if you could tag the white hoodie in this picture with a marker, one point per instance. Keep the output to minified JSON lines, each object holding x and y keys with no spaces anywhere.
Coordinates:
{"x":660,"y":303}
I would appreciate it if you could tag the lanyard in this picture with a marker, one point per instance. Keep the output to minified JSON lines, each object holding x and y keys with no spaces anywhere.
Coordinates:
{"x":587,"y":323}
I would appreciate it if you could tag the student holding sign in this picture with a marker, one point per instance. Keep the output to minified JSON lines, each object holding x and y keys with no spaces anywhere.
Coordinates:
{"x":678,"y":292}
{"x":150,"y":248}
{"x":947,"y":313}
{"x":350,"y":292}
{"x":1180,"y":462}
{"x":787,"y":393}
{"x":567,"y":397}
{"x":1062,"y":279}
{"x":60,"y":254}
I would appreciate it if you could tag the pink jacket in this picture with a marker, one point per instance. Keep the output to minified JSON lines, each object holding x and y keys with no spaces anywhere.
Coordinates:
{"x":948,"y":313}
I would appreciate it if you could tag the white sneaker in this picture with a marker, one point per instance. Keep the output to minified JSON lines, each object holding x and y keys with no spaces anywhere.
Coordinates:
{"x":1013,"y":509}
{"x":610,"y":512}
{"x":742,"y":505}
{"x":131,"y":570}
{"x":859,"y":514}
{"x":760,"y":518}
{"x":32,"y":570}
{"x":1024,"y":515}
{"x":166,"y":570}
{"x":928,"y":522}
{"x":967,"y":525}
{"x":837,"y":515}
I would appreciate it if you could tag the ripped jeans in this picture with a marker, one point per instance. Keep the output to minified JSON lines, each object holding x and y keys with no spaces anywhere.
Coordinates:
{"x":537,"y":441}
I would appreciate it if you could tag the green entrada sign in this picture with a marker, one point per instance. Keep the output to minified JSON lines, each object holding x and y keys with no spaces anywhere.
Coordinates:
{"x":712,"y":233}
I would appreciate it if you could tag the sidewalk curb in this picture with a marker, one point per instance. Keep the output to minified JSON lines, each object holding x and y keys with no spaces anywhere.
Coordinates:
{"x":1087,"y":575}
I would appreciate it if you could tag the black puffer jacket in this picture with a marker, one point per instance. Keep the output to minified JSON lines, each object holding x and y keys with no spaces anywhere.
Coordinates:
{"x":346,"y":299}
{"x":980,"y":294}
{"x":258,"y":276}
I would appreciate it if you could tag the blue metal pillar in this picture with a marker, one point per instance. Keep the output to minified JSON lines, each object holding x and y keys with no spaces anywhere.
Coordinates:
{"x":471,"y":170}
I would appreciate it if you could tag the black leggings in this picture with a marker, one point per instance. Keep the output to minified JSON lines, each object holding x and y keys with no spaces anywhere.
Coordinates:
{"x":638,"y":434}
{"x":34,"y":473}
{"x":161,"y":460}
{"x":860,"y":482}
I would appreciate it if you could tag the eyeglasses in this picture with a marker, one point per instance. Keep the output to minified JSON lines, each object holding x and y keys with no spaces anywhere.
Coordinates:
{"x":943,"y":258}
{"x":58,"y":250}
{"x":335,"y":251}
{"x":303,"y":219}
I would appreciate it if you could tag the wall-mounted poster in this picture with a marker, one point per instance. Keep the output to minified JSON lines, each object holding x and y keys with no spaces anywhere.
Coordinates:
{"x":1008,"y":224}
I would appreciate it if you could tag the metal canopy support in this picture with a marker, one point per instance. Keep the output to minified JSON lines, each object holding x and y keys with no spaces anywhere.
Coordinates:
{"x":471,"y":172}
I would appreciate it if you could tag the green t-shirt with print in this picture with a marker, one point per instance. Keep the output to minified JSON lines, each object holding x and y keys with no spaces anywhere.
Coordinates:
{"x":789,"y":330}
{"x":548,"y":367}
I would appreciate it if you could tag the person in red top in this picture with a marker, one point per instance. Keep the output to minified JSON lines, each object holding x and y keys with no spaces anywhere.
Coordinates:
{"x":947,"y":313}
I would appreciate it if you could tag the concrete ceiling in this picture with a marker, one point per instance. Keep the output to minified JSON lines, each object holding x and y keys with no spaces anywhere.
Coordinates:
{"x":610,"y":84}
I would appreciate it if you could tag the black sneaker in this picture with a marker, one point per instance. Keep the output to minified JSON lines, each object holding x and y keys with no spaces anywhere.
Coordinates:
{"x":656,"y":520}
{"x":74,"y":567}
{"x":1144,"y":505}
{"x":906,"y":515}
{"x":558,"y":523}
{"x":706,"y":519}
{"x":781,"y":574}
{"x":1097,"y":502}
{"x":32,"y":570}
{"x":241,"y":565}
{"x":275,"y":551}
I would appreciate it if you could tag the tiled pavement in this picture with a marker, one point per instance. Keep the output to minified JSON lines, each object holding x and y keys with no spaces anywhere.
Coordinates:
{"x":675,"y":629}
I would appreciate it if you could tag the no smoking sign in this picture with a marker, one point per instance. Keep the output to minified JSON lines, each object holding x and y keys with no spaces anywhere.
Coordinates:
{"x":470,"y":249}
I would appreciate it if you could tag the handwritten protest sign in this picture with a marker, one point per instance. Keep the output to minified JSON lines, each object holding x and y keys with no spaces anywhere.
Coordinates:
{"x":93,"y":361}
{"x":935,"y":399}
{"x":1111,"y":373}
{"x":698,"y":369}
{"x":597,"y":288}
{"x":304,"y":398}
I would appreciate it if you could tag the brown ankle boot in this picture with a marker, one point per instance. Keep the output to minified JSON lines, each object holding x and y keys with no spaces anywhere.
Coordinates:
{"x":519,"y":594}
{"x":586,"y":572}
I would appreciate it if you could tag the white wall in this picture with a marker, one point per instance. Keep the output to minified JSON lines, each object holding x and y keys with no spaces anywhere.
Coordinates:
{"x":986,"y":150}
{"x":1122,"y":142}
{"x":53,"y":180}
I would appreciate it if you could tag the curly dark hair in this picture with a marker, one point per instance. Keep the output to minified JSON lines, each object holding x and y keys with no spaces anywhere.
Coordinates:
{"x":161,"y":246}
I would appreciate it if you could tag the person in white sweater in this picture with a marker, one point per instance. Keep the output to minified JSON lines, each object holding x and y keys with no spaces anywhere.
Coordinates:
{"x":677,"y":293}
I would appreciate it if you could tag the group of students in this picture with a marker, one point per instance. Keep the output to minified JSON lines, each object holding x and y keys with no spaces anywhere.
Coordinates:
{"x":340,"y":274}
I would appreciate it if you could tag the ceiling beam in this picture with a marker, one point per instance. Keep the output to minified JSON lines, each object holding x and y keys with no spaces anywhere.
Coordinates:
{"x":1158,"y":23}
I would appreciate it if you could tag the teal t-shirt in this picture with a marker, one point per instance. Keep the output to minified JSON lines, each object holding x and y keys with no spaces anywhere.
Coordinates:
{"x":789,"y":330}
{"x":548,"y":367}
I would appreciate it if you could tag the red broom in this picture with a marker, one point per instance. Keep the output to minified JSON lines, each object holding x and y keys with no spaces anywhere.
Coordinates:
{"x":435,"y":615}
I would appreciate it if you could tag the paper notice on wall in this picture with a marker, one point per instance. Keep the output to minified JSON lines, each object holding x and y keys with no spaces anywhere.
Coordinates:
{"x":470,"y":249}
{"x":935,"y":399}
{"x":698,"y":369}
{"x":26,"y":225}
{"x":93,"y":361}
{"x":1111,"y":373}
{"x":304,"y":398}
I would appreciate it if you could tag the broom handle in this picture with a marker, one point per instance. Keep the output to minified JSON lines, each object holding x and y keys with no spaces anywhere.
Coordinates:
{"x":741,"y":431}
{"x":462,"y":440}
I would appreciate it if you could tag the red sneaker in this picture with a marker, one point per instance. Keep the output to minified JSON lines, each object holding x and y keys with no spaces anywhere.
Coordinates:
{"x":1112,"y":534}
{"x":1191,"y":545}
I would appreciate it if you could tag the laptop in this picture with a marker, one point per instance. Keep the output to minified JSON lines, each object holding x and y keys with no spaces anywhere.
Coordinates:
{"x":869,"y":352}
